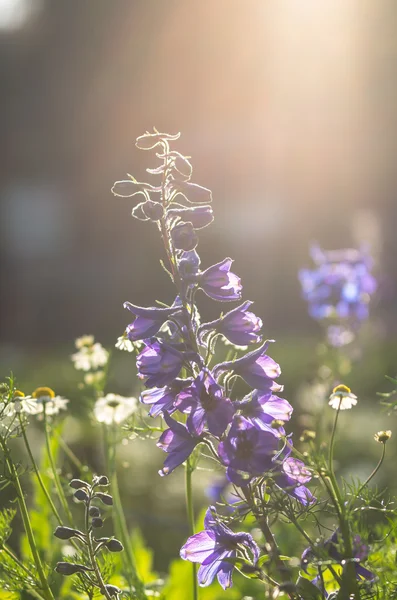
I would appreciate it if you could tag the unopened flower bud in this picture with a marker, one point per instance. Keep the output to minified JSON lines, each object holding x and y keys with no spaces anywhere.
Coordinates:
{"x":97,"y":522}
{"x":102,"y":480}
{"x":65,"y":533}
{"x":277,"y":423}
{"x":183,"y":236}
{"x":76,"y":484}
{"x":112,"y":590}
{"x":94,"y":511}
{"x":307,"y":435}
{"x":81,"y":496}
{"x":105,"y":498}
{"x":65,"y":568}
{"x":114,"y":545}
{"x":382,"y":436}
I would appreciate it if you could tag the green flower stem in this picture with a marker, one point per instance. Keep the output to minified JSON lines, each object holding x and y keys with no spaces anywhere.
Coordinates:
{"x":70,"y":454}
{"x":57,"y":481}
{"x":374,"y":472}
{"x":37,"y":472}
{"x":120,"y":520}
{"x":349,"y":571}
{"x":27,"y":525}
{"x":190,"y":516}
{"x":91,"y":551}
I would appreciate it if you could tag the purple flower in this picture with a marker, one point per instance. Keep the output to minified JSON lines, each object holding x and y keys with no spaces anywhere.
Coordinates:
{"x":331,"y":548}
{"x":189,"y":266}
{"x":239,"y":326}
{"x":263,"y":408}
{"x":178,"y":442}
{"x":207,"y":404}
{"x":163,"y":399}
{"x":256,"y":368}
{"x":247,"y":451}
{"x":293,"y":475}
{"x":219,"y":283}
{"x":213,"y":548}
{"x":198,"y":216}
{"x":183,"y":236}
{"x":160,"y":363}
{"x":148,"y":211}
{"x":149,"y":320}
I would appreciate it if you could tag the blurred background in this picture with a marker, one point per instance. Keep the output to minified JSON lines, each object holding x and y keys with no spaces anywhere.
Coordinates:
{"x":288,"y":109}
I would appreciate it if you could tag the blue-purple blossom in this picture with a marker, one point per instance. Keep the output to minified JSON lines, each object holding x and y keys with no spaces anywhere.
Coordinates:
{"x":178,"y":442}
{"x":247,"y":451}
{"x":219,"y":283}
{"x":184,"y":236}
{"x":331,"y":548}
{"x":189,"y":267}
{"x":160,"y":363}
{"x":149,"y":320}
{"x":198,"y":216}
{"x":261,"y":409}
{"x":163,"y":399}
{"x":215,"y":548}
{"x":148,"y":211}
{"x":240,"y":326}
{"x":340,"y":286}
{"x":294,"y":474}
{"x":256,"y":368}
{"x":207,"y":404}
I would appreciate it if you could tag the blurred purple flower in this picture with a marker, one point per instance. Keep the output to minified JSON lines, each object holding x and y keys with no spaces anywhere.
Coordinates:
{"x":178,"y":442}
{"x":293,"y":475}
{"x":247,"y":451}
{"x":219,"y":283}
{"x":213,"y":548}
{"x":256,"y":368}
{"x":160,"y":363}
{"x":239,"y":326}
{"x":207,"y":405}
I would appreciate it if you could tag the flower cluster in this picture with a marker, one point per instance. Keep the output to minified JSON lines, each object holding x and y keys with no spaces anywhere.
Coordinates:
{"x":194,"y":396}
{"x":338,"y":290}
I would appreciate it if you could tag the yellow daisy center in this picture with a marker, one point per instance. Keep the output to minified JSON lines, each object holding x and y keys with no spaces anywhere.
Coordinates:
{"x":41,"y":392}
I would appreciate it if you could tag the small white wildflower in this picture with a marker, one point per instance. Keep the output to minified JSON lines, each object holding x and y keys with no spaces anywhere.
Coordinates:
{"x":45,"y":399}
{"x":123,"y":343}
{"x":84,"y":340}
{"x":90,"y":357}
{"x":19,"y":404}
{"x":342,"y":398}
{"x":114,"y":408}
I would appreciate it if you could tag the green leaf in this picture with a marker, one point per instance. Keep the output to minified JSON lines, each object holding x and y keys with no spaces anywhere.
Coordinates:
{"x":308,"y":590}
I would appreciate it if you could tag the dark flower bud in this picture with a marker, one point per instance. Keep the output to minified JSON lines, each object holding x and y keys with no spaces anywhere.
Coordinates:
{"x":193,"y":192}
{"x":105,"y":498}
{"x":65,"y":533}
{"x":112,"y":590}
{"x":102,"y":480}
{"x":114,"y":545}
{"x":65,"y":568}
{"x":148,"y":211}
{"x":184,"y":236}
{"x":81,"y":496}
{"x":94,"y":511}
{"x":248,"y":569}
{"x":189,"y":266}
{"x":77,"y":484}
{"x":97,"y":522}
{"x":199,"y":216}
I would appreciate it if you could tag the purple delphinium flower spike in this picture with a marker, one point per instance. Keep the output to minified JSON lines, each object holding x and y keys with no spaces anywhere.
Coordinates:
{"x":219,"y":283}
{"x":207,"y":405}
{"x":239,"y":326}
{"x":160,"y":363}
{"x":184,"y":236}
{"x":247,"y":451}
{"x":189,"y":267}
{"x":212,"y":547}
{"x":256,"y":368}
{"x":263,"y":408}
{"x":149,"y":320}
{"x":163,"y":399}
{"x":294,"y":474}
{"x":178,"y":442}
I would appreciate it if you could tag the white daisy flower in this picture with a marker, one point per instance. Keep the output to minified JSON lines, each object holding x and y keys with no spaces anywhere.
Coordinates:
{"x":89,"y":358}
{"x":342,"y":398}
{"x":114,"y":408}
{"x":45,"y":399}
{"x":19,"y":404}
